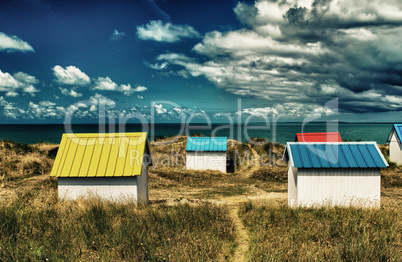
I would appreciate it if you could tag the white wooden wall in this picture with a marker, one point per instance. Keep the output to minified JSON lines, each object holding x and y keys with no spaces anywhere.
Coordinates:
{"x":133,"y":188}
{"x":109,"y":188}
{"x":292,"y":186}
{"x":342,"y":187}
{"x":206,"y":160}
{"x":395,"y":150}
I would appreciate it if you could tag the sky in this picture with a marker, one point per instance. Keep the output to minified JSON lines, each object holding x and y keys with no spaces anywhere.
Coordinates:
{"x":188,"y":61}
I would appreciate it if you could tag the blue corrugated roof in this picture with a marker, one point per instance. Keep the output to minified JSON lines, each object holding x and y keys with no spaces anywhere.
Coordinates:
{"x":335,"y":155}
{"x":398,"y":130}
{"x":207,"y":144}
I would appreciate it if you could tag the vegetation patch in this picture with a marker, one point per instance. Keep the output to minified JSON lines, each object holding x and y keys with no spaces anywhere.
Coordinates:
{"x":193,"y":178}
{"x":18,"y":161}
{"x":224,"y":191}
{"x":280,"y":233}
{"x":271,"y":173}
{"x":35,"y":226}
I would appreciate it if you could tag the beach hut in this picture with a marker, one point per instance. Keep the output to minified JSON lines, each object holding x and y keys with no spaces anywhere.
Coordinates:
{"x":111,"y":166}
{"x":318,"y":137}
{"x":204,"y":153}
{"x":395,"y":144}
{"x":345,"y":173}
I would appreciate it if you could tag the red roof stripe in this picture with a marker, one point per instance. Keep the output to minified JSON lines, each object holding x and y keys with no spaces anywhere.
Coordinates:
{"x":318,"y":137}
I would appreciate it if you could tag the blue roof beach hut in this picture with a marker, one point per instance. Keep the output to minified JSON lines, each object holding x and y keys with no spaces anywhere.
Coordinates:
{"x":203,"y":153}
{"x":342,"y":174}
{"x":395,"y":144}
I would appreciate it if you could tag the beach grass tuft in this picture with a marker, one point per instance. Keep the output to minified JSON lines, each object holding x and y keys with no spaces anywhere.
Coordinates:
{"x":35,"y":226}
{"x":281,"y":233}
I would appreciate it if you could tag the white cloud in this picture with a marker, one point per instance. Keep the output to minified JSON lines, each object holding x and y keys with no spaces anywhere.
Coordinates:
{"x":140,"y":89}
{"x":25,"y":78}
{"x":66,"y":92}
{"x":44,"y":110}
{"x":30,"y":89}
{"x":158,"y":66}
{"x":10,"y":110}
{"x":70,"y":75}
{"x":8,"y":82}
{"x":287,"y":111}
{"x":117,"y":35}
{"x":101,"y":100}
{"x":81,"y":105}
{"x":106,"y":84}
{"x":13,"y":43}
{"x":12,"y":94}
{"x":304,"y":52}
{"x":33,"y":105}
{"x":244,"y":43}
{"x":160,"y":32}
{"x":159,"y":109}
{"x":19,"y":81}
{"x":47,"y":103}
{"x":140,"y":97}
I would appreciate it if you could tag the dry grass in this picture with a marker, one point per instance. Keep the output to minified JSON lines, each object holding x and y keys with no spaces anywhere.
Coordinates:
{"x":35,"y":226}
{"x":280,"y":233}
{"x":19,"y":161}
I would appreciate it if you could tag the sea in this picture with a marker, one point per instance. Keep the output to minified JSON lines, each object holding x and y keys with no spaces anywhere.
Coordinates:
{"x":279,"y":132}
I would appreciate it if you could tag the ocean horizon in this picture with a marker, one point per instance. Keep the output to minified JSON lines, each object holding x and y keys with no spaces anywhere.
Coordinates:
{"x":280,"y":132}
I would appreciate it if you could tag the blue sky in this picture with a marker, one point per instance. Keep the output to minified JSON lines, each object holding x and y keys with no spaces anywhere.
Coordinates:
{"x":170,"y":61}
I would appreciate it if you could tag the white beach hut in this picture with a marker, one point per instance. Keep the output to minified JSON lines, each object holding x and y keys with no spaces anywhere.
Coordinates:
{"x":332,"y":174}
{"x":111,"y":166}
{"x":203,"y":153}
{"x":395,"y":144}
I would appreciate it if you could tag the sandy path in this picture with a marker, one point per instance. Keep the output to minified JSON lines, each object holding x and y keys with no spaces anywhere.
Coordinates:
{"x":242,"y":237}
{"x":234,"y":203}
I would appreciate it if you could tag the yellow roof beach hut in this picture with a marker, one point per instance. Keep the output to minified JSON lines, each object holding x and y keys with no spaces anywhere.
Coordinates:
{"x":111,"y":166}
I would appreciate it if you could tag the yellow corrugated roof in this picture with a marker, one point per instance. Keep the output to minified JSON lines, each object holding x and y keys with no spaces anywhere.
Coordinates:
{"x":100,"y":155}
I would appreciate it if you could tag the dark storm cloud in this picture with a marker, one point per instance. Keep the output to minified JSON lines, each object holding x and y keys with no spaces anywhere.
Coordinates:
{"x":307,"y":53}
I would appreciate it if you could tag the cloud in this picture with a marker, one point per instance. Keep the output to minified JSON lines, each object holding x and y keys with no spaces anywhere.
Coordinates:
{"x":12,"y":94}
{"x":10,"y":110}
{"x":101,"y":100}
{"x":8,"y":82}
{"x":304,"y":53}
{"x":66,"y":92}
{"x":25,"y":78}
{"x":70,"y":75}
{"x":169,"y":33}
{"x":13,"y":44}
{"x":140,"y":89}
{"x":44,"y":110}
{"x":19,"y":81}
{"x":46,"y":103}
{"x":30,"y":89}
{"x":117,"y":35}
{"x":287,"y":110}
{"x":106,"y":84}
{"x":159,"y":109}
